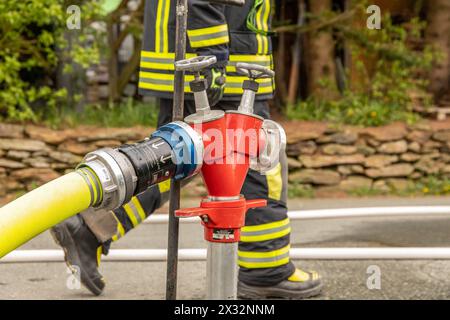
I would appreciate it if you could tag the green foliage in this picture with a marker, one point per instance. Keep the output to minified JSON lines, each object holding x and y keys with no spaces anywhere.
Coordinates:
{"x":125,"y":114}
{"x":432,"y":185}
{"x":297,"y":190}
{"x":366,"y":192}
{"x":387,"y":71}
{"x":33,"y":41}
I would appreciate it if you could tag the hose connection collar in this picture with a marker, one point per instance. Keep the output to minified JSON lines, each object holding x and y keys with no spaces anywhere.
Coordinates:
{"x":187,"y":148}
{"x":114,"y":173}
{"x":175,"y":150}
{"x":274,"y":142}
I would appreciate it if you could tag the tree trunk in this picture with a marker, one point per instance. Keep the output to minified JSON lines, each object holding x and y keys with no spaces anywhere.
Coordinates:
{"x":437,"y":34}
{"x":320,"y":53}
{"x":280,"y":59}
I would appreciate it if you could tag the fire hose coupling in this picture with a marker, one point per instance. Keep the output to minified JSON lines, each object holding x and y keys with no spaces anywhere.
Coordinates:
{"x":273,"y":141}
{"x":187,"y":148}
{"x":175,"y":151}
{"x":111,"y":173}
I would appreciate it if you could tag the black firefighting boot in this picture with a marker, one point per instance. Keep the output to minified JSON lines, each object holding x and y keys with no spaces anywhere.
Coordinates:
{"x":82,"y":251}
{"x":300,"y":285}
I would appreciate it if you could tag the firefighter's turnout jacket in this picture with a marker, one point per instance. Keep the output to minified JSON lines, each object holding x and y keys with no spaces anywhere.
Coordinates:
{"x":236,"y":34}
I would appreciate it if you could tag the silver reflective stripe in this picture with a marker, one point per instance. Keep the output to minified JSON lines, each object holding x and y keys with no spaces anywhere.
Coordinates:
{"x":263,"y":13}
{"x":270,"y":259}
{"x":157,"y":60}
{"x":135,"y":211}
{"x":262,"y":63}
{"x":208,"y":36}
{"x":157,"y":81}
{"x":162,"y":26}
{"x":160,"y":81}
{"x":262,"y":232}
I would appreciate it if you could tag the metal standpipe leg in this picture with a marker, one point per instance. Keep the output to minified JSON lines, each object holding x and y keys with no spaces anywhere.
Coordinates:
{"x":222,"y":271}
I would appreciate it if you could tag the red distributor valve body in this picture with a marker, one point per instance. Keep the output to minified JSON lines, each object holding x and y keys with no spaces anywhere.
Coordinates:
{"x":230,"y":142}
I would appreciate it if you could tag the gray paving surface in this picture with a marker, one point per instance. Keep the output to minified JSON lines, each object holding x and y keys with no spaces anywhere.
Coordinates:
{"x":417,"y":279}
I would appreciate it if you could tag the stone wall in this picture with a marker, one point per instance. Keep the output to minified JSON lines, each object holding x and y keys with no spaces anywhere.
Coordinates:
{"x":324,"y":157}
{"x":321,"y":156}
{"x":32,"y":155}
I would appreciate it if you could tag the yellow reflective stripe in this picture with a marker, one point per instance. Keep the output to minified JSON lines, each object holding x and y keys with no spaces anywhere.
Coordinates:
{"x":262,"y":23}
{"x":162,"y":76}
{"x":249,"y":58}
{"x":153,"y":75}
{"x":233,"y":57}
{"x":259,"y":37}
{"x":262,"y":90}
{"x":265,"y":26}
{"x":260,"y":255}
{"x":210,"y":36}
{"x":209,"y":42}
{"x":164,"y":186}
{"x":256,"y":265}
{"x":267,"y":231}
{"x":159,"y":13}
{"x":265,"y":237}
{"x":268,"y":259}
{"x":206,"y":31}
{"x":275,"y":182}
{"x":163,"y":55}
{"x":99,"y":255}
{"x":259,"y":59}
{"x":165,"y":26}
{"x":161,"y":27}
{"x":156,"y":87}
{"x":266,"y":226}
{"x":239,"y":79}
{"x":265,"y":60}
{"x":161,"y":81}
{"x":120,"y":230}
{"x":131,"y":214}
{"x":139,"y":208}
{"x":157,"y":66}
{"x":164,"y":82}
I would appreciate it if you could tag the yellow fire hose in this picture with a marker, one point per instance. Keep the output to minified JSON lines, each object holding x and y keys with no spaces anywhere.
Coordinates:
{"x":107,"y":178}
{"x":46,"y":206}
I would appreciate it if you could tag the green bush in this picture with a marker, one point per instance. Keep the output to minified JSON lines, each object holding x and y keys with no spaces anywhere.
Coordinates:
{"x":32,"y":43}
{"x":383,"y":91}
{"x":124,"y":114}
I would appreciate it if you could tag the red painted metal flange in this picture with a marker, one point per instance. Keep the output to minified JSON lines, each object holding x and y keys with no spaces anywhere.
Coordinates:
{"x":222,"y":219}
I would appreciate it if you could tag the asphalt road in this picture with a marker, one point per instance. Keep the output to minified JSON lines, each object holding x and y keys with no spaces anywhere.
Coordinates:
{"x":418,"y":279}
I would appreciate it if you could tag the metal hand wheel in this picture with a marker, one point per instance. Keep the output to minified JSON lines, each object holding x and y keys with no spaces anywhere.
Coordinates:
{"x":195,"y":64}
{"x":254,"y":71}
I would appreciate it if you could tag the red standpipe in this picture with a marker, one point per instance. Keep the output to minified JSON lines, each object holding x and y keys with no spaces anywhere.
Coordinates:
{"x":229,"y":142}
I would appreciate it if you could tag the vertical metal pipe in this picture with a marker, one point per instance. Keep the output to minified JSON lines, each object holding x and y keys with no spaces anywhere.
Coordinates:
{"x":221,"y":271}
{"x":177,"y":114}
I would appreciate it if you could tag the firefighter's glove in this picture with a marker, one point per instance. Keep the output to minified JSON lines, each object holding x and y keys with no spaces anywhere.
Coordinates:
{"x":216,"y":84}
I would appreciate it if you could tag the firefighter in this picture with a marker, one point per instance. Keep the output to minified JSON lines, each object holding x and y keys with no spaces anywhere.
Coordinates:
{"x":232,"y":34}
